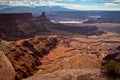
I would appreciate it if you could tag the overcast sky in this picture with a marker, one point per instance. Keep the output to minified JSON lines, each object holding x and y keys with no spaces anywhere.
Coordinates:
{"x":71,"y":4}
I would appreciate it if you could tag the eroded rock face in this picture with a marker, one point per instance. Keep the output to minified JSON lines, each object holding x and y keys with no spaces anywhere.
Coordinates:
{"x":43,"y":16}
{"x":23,"y":25}
{"x":6,"y":69}
{"x":25,"y":56}
{"x":69,"y":74}
{"x":118,"y":48}
{"x":19,"y":25}
{"x":80,"y":30}
{"x":114,"y":57}
{"x":14,"y":18}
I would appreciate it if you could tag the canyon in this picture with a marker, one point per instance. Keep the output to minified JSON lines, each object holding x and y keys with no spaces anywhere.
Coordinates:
{"x":24,"y":25}
{"x":34,"y":48}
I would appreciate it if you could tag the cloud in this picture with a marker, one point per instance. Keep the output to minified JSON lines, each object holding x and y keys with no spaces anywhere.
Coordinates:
{"x":117,"y":1}
{"x":71,"y":4}
{"x":29,"y":2}
{"x":111,"y":4}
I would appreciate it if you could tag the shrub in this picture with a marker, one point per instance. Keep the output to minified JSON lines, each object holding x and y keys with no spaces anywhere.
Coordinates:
{"x":112,"y":68}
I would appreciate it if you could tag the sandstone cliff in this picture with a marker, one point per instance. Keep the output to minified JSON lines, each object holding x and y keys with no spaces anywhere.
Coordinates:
{"x":19,"y":25}
{"x":6,"y":69}
{"x":14,"y":18}
{"x":23,"y":25}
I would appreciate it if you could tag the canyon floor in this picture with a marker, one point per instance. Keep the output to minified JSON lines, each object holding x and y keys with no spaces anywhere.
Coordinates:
{"x":74,"y":52}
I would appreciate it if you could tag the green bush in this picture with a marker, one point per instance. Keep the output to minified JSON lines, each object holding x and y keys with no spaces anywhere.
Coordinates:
{"x":112,"y":68}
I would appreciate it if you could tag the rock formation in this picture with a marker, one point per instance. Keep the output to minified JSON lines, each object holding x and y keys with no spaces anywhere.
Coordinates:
{"x":6,"y":69}
{"x":69,"y":74}
{"x":25,"y":55}
{"x":14,"y":18}
{"x":118,"y":48}
{"x":43,"y":16}
{"x":80,"y":30}
{"x":114,"y":57}
{"x":19,"y":25}
{"x":27,"y":51}
{"x":23,"y":25}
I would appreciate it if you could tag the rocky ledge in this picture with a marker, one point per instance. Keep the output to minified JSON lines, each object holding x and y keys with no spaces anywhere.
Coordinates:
{"x":69,"y":74}
{"x":25,"y":55}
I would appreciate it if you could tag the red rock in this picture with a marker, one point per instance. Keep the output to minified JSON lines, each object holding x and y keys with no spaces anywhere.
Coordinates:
{"x":6,"y":69}
{"x":14,"y":18}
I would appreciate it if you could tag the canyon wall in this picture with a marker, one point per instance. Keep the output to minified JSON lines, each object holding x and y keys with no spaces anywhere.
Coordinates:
{"x":14,"y":18}
{"x":20,"y":25}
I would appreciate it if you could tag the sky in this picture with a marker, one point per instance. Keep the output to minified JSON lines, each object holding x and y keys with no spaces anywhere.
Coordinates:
{"x":70,"y":4}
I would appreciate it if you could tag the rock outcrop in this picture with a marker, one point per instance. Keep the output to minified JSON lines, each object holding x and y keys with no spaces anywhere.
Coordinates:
{"x":69,"y":74}
{"x":26,"y":55}
{"x":118,"y":48}
{"x":6,"y":69}
{"x":114,"y":57}
{"x":43,"y":16}
{"x":80,"y":30}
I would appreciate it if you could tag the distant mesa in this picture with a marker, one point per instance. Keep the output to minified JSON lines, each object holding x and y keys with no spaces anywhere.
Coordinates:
{"x":14,"y":18}
{"x":20,"y":25}
{"x":80,"y":30}
{"x":23,"y":25}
